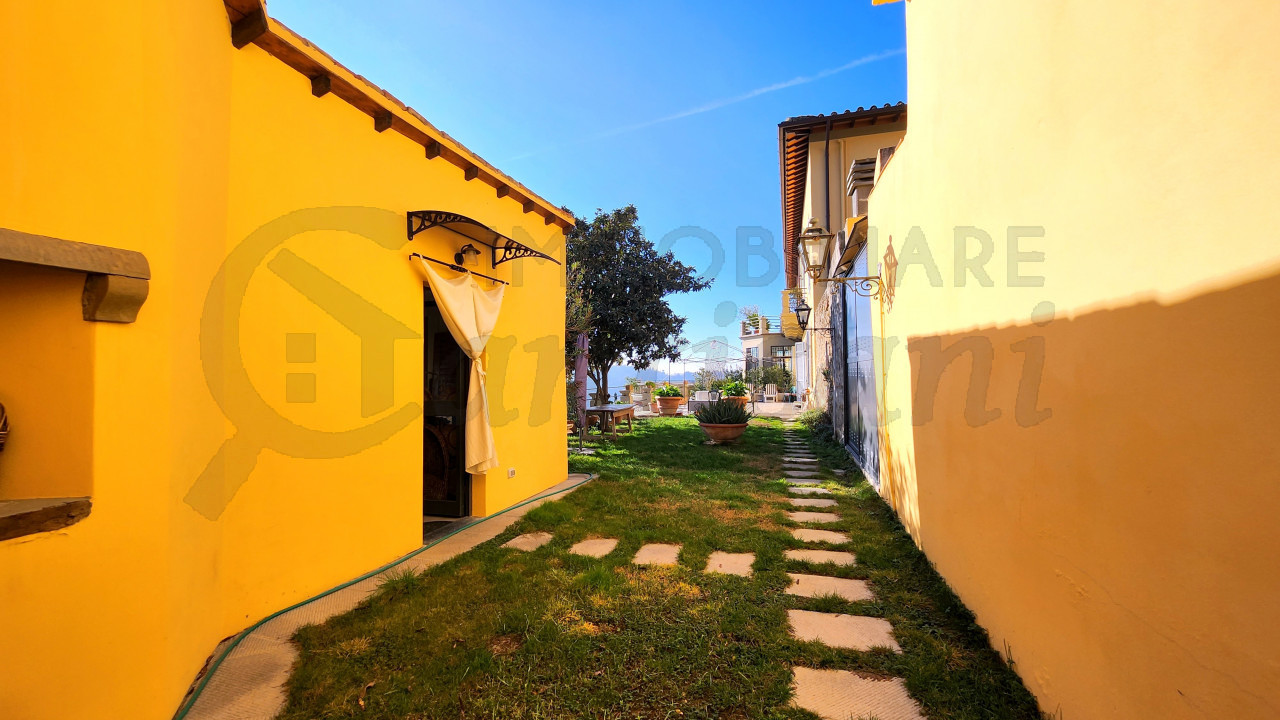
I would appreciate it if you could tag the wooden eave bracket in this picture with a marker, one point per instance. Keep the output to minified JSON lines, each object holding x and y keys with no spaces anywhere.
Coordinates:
{"x":251,"y":25}
{"x":116,"y":281}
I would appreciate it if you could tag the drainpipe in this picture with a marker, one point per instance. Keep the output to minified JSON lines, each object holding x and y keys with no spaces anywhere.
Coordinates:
{"x":826,"y":174}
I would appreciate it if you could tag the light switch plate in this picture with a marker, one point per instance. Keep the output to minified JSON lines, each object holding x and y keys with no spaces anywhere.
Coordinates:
{"x":511,"y":472}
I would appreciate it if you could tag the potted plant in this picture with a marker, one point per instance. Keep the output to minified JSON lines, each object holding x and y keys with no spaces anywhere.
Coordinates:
{"x":650,"y":389}
{"x":669,"y":399}
{"x":723,"y":421}
{"x":736,"y":392}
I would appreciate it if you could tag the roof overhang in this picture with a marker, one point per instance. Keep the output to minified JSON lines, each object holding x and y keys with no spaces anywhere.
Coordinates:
{"x":793,"y":161}
{"x":250,"y":25}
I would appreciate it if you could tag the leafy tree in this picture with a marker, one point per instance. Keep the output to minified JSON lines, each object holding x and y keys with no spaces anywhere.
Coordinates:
{"x":703,"y":379}
{"x":626,"y":282}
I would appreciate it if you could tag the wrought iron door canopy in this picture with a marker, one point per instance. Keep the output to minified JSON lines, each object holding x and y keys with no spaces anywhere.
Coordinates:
{"x":501,"y":247}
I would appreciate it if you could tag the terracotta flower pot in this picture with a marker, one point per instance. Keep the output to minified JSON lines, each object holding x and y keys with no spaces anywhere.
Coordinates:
{"x":653,"y":405}
{"x":669,"y":405}
{"x":741,"y":401}
{"x":723,"y":434}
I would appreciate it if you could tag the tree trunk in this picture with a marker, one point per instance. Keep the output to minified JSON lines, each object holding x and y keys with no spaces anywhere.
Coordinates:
{"x":600,"y":375}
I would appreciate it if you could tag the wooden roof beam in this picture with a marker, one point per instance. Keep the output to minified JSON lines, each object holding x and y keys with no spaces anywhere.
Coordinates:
{"x":249,"y":28}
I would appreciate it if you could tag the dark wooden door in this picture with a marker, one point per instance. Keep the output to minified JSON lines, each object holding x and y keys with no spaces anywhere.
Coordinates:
{"x":446,"y":486}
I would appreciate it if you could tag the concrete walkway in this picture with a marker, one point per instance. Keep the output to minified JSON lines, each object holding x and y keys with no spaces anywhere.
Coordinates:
{"x":249,"y":682}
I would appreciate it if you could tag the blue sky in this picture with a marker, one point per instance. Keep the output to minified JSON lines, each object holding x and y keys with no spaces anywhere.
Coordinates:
{"x":670,"y":107}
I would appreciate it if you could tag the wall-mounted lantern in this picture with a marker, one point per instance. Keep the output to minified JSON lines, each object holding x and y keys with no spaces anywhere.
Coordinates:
{"x":468,"y":255}
{"x":814,"y":240}
{"x":802,"y":311}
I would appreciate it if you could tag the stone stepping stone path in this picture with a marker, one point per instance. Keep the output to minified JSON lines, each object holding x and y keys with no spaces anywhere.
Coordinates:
{"x":812,"y":502}
{"x":528,"y":541}
{"x":802,"y":516}
{"x":731,"y":563}
{"x":820,"y":557}
{"x":596,"y":548}
{"x":849,"y":632}
{"x":812,"y":586}
{"x":834,"y":694}
{"x":840,"y":695}
{"x":657,"y":554}
{"x":826,"y":536}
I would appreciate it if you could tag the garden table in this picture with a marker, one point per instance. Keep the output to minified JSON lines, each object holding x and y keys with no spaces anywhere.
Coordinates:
{"x":611,"y":414}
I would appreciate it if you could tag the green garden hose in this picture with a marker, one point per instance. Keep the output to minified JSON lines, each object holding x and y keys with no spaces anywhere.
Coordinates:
{"x":195,"y":695}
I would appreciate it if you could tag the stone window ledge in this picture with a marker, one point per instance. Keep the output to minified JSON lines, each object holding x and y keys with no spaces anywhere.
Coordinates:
{"x":116,"y":280}
{"x":27,"y":517}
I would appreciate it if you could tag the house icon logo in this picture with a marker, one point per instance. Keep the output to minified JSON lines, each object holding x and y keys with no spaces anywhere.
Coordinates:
{"x":258,"y":424}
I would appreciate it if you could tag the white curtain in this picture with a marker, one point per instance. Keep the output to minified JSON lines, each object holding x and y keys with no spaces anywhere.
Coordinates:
{"x":470,"y":311}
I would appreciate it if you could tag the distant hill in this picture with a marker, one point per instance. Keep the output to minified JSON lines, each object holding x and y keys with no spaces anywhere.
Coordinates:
{"x":618,"y":377}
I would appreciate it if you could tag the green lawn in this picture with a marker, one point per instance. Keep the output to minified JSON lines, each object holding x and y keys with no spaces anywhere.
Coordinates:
{"x":497,"y":633}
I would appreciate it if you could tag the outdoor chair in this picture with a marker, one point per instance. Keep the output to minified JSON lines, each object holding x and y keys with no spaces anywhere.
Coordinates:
{"x":699,"y":399}
{"x":771,"y":393}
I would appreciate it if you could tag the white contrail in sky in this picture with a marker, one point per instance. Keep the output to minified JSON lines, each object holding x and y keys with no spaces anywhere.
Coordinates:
{"x":725,"y":102}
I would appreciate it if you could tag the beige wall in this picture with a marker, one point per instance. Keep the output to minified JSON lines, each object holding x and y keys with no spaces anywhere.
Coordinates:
{"x":825,"y":190}
{"x":1108,"y":509}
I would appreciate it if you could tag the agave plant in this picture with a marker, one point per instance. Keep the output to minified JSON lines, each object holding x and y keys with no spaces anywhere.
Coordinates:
{"x":722,"y":412}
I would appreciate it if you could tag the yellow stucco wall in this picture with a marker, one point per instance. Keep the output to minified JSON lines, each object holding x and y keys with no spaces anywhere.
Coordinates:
{"x":1122,"y":548}
{"x":147,"y":130}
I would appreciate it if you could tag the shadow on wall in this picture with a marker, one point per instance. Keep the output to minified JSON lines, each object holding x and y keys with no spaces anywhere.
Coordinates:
{"x":1123,"y":545}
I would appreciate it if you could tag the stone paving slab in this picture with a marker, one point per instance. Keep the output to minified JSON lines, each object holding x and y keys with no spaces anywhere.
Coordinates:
{"x":841,"y":695}
{"x":826,"y":536}
{"x":798,"y":459}
{"x":812,"y":502}
{"x":657,"y":554}
{"x":805,"y":472}
{"x":835,"y":557}
{"x":528,"y":541}
{"x":797,"y":466}
{"x":813,"y":517}
{"x":802,"y":480}
{"x":849,"y":632}
{"x":596,"y":547}
{"x":809,"y":490}
{"x":731,"y":563}
{"x":819,"y":585}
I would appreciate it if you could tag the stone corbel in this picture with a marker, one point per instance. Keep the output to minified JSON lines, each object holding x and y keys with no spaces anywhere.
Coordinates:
{"x":116,"y":281}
